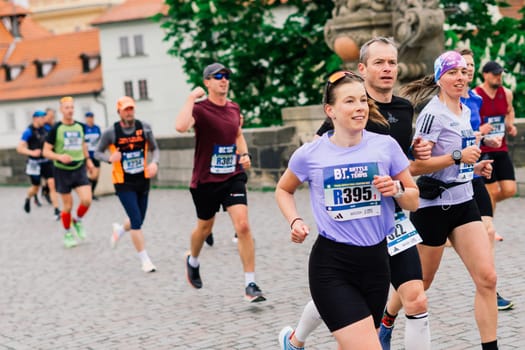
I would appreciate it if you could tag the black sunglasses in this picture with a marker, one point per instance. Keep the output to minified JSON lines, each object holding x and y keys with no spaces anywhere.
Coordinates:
{"x":219,"y":76}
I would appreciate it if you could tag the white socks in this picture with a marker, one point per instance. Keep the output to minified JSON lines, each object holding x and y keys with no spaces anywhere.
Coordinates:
{"x":417,"y":332}
{"x":309,"y":321}
{"x":143,"y":255}
{"x":249,"y":277}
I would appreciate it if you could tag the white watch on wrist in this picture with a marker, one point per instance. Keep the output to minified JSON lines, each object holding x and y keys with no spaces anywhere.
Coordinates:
{"x":400,"y":189}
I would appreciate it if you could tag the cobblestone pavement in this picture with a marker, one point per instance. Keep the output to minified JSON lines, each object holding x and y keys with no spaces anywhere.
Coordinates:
{"x":92,"y":297}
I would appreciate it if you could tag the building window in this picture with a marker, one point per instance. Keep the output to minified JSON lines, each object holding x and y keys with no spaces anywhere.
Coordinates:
{"x":43,"y":68}
{"x":139,"y":45}
{"x":12,"y":72}
{"x":124,"y":46}
{"x":89,"y":62}
{"x":128,"y":88}
{"x":143,"y":89}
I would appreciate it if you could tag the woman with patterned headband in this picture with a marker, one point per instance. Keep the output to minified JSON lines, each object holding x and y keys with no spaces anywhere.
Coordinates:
{"x":450,"y":212}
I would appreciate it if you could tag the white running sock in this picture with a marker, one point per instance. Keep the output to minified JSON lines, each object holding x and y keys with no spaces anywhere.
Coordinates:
{"x":143,"y":255}
{"x":193,"y":261}
{"x":249,"y":277}
{"x":417,"y":332}
{"x":309,"y":321}
{"x":120,"y":230}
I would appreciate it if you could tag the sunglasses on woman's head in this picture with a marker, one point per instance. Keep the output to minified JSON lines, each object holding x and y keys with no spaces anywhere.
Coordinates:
{"x":335,"y":77}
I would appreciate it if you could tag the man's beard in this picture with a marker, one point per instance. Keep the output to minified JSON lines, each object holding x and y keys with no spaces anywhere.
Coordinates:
{"x":128,"y":123}
{"x":495,"y":86}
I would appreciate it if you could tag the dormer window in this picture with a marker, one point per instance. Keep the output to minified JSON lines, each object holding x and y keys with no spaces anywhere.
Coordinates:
{"x":12,"y":71}
{"x":89,"y":62}
{"x":43,"y":67}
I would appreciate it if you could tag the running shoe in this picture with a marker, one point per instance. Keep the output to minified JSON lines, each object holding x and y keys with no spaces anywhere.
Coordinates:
{"x":57,"y":214}
{"x":27,"y":205}
{"x":147,"y":266}
{"x":284,"y":339}
{"x":69,"y":240}
{"x":192,"y":274}
{"x":253,"y":293}
{"x":504,"y":304}
{"x":79,"y":228}
{"x":209,"y":239}
{"x":115,"y":236}
{"x":385,"y":336}
{"x":235,"y":239}
{"x":37,"y":201}
{"x":45,"y":194}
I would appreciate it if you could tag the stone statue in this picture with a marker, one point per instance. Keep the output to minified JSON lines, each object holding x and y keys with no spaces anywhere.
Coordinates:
{"x":416,"y":25}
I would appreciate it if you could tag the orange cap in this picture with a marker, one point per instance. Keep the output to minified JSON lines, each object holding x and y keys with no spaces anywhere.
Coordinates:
{"x":125,"y":102}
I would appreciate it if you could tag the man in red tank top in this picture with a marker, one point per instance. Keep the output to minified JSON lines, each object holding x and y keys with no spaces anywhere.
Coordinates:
{"x":497,"y":110}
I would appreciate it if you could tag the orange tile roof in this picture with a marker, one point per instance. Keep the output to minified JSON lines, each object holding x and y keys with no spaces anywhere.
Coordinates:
{"x":66,"y":78}
{"x":30,"y":29}
{"x":9,"y":8}
{"x":132,"y":10}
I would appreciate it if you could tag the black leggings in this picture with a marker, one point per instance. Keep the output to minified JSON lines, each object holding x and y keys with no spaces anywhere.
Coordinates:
{"x":348,"y":283}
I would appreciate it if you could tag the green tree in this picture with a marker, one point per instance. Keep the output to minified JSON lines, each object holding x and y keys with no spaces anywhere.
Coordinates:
{"x":503,"y":41}
{"x":273,"y":66}
{"x":281,"y":66}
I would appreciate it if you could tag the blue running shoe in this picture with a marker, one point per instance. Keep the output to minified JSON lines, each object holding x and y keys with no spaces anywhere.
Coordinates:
{"x":284,"y":339}
{"x":385,"y":336}
{"x":504,"y":304}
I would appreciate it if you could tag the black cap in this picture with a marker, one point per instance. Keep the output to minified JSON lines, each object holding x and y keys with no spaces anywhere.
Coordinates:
{"x":492,"y":67}
{"x":214,"y":68}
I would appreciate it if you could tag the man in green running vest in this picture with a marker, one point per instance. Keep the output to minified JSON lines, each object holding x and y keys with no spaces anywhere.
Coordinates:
{"x":66,"y":147}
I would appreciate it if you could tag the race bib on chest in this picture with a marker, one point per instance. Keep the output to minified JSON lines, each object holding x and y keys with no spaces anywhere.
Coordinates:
{"x":32,"y":167}
{"x":133,"y":162}
{"x":349,"y":193}
{"x":223,"y":159}
{"x":91,"y":140}
{"x":404,"y":236}
{"x":72,"y":141}
{"x":466,"y":171}
{"x":498,"y":126}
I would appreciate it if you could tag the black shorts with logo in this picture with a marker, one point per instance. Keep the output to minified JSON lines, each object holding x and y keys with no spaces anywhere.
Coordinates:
{"x":209,"y":197}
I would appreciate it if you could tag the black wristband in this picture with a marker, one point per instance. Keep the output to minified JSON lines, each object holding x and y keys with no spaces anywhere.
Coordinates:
{"x":247,"y":154}
{"x":293,"y":222}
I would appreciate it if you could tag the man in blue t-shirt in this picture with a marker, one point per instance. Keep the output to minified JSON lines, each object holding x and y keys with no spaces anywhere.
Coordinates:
{"x":92,"y":134}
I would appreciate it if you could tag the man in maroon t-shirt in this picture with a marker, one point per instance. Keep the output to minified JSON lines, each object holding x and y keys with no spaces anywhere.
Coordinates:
{"x":218,"y":179}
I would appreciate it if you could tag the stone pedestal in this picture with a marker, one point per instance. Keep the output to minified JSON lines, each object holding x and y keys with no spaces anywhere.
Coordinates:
{"x":305,"y":119}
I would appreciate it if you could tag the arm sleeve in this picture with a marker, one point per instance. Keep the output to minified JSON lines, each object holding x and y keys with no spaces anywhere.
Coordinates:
{"x":107,"y":138}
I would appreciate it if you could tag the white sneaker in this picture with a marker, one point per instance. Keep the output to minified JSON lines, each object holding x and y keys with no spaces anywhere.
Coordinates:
{"x":115,"y":236}
{"x":147,"y":266}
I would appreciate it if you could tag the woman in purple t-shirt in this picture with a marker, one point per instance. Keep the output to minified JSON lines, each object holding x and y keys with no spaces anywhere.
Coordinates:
{"x":353,"y":175}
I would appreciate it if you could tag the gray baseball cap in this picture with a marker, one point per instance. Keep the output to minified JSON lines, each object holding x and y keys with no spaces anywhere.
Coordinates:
{"x":214,"y":68}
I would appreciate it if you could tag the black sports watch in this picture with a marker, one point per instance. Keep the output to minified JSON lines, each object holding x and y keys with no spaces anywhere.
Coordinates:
{"x":456,"y":155}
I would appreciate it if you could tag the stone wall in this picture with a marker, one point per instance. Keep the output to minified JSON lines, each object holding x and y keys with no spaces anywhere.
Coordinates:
{"x":270,"y":147}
